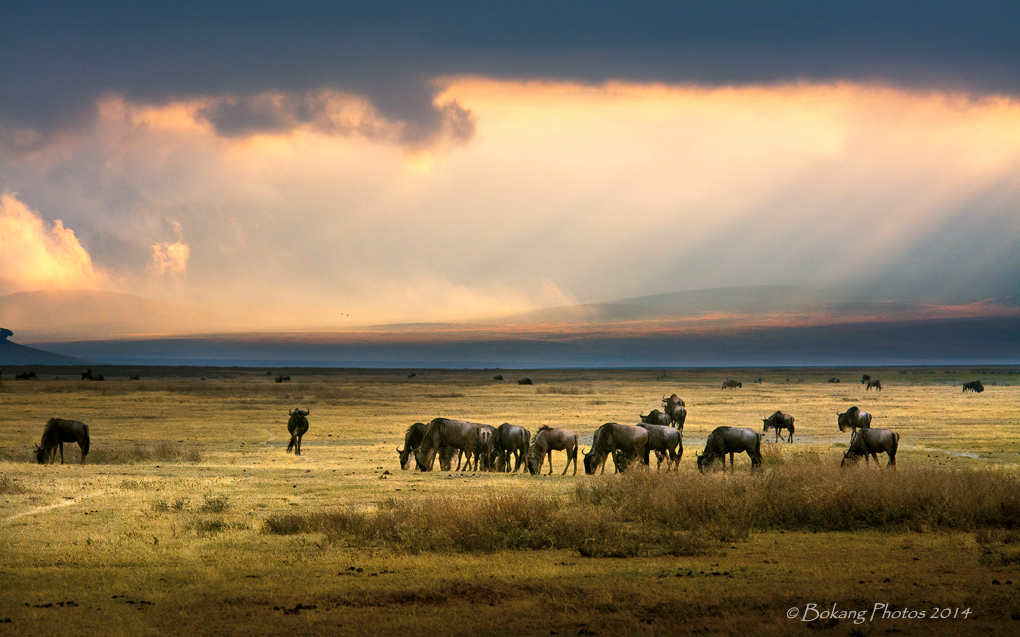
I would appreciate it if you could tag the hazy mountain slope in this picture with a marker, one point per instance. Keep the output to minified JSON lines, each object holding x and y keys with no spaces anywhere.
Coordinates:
{"x":12,"y":354}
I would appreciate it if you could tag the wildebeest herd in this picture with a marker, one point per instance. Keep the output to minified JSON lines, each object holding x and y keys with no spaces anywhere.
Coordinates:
{"x":480,"y":447}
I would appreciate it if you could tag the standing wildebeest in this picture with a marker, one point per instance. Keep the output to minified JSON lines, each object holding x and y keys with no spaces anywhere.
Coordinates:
{"x":611,"y":436}
{"x":872,"y":442}
{"x":877,"y":384}
{"x":511,"y":441}
{"x":779,"y":421}
{"x":729,"y":383}
{"x":974,"y":386}
{"x":676,"y":409}
{"x":656,"y":417}
{"x":853,"y":419}
{"x":297,"y":426}
{"x":666,"y":442}
{"x":730,"y":440}
{"x":446,"y":432}
{"x":547,"y":440}
{"x":56,"y":433}
{"x":673,"y":400}
{"x":865,"y":378}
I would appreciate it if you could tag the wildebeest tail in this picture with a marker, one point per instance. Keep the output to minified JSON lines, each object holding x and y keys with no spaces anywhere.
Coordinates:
{"x":86,"y":442}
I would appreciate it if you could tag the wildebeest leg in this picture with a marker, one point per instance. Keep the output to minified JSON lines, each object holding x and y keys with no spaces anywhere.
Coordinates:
{"x":731,"y":461}
{"x":297,"y":449}
{"x":549,"y":460}
{"x":61,"y":443}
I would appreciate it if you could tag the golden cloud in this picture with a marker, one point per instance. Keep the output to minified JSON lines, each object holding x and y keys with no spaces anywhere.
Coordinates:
{"x":34,"y":255}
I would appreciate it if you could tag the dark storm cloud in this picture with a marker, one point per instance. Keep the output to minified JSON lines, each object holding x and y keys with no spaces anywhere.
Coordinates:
{"x":56,"y":58}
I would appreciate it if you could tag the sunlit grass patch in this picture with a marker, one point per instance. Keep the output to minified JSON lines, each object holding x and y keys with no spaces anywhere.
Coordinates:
{"x":163,"y":451}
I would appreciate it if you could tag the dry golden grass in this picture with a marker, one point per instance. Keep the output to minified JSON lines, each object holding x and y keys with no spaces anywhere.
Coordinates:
{"x":190,"y":518}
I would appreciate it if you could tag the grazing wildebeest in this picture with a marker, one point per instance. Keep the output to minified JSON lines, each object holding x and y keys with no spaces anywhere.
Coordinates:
{"x":297,"y":426}
{"x":779,"y":421}
{"x":865,"y":378}
{"x":872,"y":442}
{"x":412,"y":440}
{"x":56,"y":433}
{"x":877,"y":384}
{"x":446,"y":432}
{"x":511,"y":441}
{"x":611,"y":436}
{"x":544,"y":442}
{"x":974,"y":386}
{"x":498,"y":377}
{"x":853,"y":419}
{"x":729,"y":383}
{"x":730,"y":440}
{"x":666,"y":442}
{"x":25,"y":376}
{"x":525,"y":381}
{"x":87,"y":374}
{"x":656,"y":417}
{"x":484,"y":448}
{"x":833,"y":380}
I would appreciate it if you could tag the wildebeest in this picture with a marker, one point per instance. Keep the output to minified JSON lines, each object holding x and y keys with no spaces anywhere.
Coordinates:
{"x":611,"y":436}
{"x":511,"y":441}
{"x":297,"y":426}
{"x":673,"y":400}
{"x":729,"y":383}
{"x":25,"y":376}
{"x":58,"y":431}
{"x":445,"y":432}
{"x":545,"y":441}
{"x":412,"y":440}
{"x":525,"y":381}
{"x":667,"y":442}
{"x":676,"y":409}
{"x":871,"y":442}
{"x":974,"y":386}
{"x":498,"y":377}
{"x":656,"y":417}
{"x":834,"y":380}
{"x":730,"y":440}
{"x":281,"y":378}
{"x":865,"y":378}
{"x":877,"y":384}
{"x":483,"y":448}
{"x":87,"y":374}
{"x":853,"y":419}
{"x":779,"y":421}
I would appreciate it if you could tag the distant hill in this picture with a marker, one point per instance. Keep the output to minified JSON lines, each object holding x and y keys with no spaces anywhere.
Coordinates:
{"x":58,"y":315}
{"x":12,"y":354}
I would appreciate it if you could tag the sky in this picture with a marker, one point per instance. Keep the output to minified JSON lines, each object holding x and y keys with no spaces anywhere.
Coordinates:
{"x":340,"y":164}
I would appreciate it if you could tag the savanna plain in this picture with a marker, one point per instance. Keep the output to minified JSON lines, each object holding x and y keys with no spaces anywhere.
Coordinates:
{"x":190,"y":517}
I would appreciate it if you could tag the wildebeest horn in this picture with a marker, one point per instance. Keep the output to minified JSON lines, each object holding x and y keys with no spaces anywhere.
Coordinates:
{"x":399,"y":450}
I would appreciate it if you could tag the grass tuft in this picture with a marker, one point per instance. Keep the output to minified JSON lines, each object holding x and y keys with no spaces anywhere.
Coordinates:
{"x":10,"y":486}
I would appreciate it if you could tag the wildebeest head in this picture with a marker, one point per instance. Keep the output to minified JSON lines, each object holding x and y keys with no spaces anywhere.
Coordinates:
{"x":849,"y":459}
{"x":40,"y":454}
{"x":300,"y":412}
{"x":705,"y":461}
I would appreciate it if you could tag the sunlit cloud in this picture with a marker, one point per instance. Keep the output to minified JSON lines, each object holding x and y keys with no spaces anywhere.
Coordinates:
{"x":35,"y":255}
{"x":171,"y":258}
